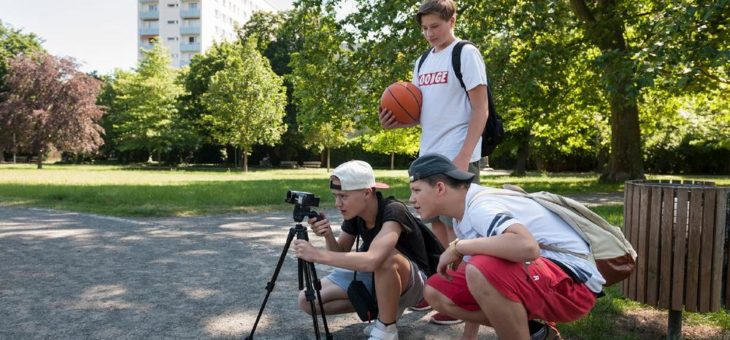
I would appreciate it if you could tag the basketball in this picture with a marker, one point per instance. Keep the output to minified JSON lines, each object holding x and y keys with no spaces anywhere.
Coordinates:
{"x":404,"y":100}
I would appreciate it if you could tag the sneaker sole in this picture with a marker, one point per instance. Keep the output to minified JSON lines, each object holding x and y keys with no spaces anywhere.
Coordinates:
{"x":445,"y":322}
{"x":418,"y":309}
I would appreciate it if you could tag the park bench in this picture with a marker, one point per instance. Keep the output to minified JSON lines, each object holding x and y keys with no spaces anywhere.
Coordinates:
{"x":679,"y":230}
{"x":311,"y":164}
{"x":288,"y":164}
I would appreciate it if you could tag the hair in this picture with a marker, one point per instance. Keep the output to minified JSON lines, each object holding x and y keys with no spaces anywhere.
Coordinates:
{"x":445,"y":9}
{"x":449,"y":181}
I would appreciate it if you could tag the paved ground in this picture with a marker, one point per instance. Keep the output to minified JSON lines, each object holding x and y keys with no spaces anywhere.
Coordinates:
{"x":79,"y":276}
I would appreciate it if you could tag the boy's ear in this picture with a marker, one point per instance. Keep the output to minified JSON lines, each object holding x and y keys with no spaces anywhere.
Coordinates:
{"x":440,"y":187}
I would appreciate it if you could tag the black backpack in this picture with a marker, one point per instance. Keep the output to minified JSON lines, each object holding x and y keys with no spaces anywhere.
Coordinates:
{"x":493,"y":133}
{"x":433,"y":247}
{"x":431,"y":244}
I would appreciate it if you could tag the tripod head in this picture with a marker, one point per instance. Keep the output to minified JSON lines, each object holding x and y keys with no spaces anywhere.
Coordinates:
{"x":303,"y":201}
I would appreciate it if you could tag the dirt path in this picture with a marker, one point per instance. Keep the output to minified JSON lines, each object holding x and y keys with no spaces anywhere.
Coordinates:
{"x":79,"y":276}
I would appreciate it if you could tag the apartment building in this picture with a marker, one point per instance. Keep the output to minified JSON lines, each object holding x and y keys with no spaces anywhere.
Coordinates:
{"x":189,"y":27}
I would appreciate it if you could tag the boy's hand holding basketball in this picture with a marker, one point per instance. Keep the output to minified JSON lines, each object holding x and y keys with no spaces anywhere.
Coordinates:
{"x":388,"y":121}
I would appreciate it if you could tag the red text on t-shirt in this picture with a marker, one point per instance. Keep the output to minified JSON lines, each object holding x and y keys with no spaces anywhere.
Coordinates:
{"x":441,"y":77}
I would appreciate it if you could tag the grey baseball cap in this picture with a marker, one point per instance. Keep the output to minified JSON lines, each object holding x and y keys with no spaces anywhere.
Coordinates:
{"x":434,"y":164}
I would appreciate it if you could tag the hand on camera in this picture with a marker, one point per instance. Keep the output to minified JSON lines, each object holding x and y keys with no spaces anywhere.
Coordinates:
{"x":320,"y":225}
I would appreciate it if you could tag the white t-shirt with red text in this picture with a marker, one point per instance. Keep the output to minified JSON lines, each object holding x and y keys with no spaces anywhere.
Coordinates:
{"x":446,"y":110}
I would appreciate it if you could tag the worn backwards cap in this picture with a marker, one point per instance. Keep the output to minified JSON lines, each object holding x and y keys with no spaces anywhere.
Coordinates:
{"x":355,"y":175}
{"x":434,"y":164}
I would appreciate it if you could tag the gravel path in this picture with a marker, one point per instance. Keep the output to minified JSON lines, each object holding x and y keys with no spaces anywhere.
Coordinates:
{"x":67,"y":275}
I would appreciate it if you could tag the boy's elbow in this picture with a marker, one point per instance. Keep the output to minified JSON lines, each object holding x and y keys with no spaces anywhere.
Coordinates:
{"x":532,"y":251}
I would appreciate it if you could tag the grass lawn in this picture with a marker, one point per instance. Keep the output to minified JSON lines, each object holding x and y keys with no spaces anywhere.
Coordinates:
{"x":129,"y":191}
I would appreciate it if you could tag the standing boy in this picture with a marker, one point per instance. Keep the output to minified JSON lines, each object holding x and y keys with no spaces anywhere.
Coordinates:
{"x":392,"y":247}
{"x":506,"y":278}
{"x":452,"y":122}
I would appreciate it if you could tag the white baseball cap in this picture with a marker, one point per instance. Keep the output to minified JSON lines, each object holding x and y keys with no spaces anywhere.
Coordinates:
{"x":355,"y":175}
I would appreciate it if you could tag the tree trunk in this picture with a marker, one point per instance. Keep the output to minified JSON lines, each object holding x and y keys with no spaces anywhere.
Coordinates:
{"x":523,"y":151}
{"x":39,"y":161}
{"x":159,"y":158}
{"x":392,"y":160}
{"x":604,"y":28}
{"x":244,"y":157}
{"x":328,"y":159}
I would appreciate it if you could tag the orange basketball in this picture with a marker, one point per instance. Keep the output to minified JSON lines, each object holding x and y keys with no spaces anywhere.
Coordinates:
{"x":404,"y":100}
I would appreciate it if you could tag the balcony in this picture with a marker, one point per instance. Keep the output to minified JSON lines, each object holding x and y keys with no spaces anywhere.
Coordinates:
{"x":146,"y":46}
{"x":188,"y":47}
{"x":190,"y":13}
{"x":149,"y":31}
{"x":146,"y":15}
{"x":188,"y":30}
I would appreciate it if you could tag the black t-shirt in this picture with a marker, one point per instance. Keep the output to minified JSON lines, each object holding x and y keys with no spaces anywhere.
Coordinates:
{"x":410,"y":243}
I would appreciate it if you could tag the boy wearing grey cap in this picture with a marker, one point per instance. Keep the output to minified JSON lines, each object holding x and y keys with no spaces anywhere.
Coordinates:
{"x":501,"y":271}
{"x":392,"y":248}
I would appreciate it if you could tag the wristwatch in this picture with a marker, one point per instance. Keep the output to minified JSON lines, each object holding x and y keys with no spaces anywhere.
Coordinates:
{"x":453,"y":246}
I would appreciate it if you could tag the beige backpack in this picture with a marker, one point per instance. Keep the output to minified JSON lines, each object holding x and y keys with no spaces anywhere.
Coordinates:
{"x":613,"y":255}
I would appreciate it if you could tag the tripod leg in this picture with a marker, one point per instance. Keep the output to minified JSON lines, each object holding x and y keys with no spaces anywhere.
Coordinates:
{"x":317,"y":287}
{"x":270,"y":284}
{"x":309,"y":293}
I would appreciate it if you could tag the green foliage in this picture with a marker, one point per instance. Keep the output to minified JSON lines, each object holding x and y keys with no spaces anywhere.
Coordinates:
{"x":14,"y":42}
{"x":144,"y":113}
{"x":392,"y":142}
{"x":245,"y":100}
{"x":320,"y":87}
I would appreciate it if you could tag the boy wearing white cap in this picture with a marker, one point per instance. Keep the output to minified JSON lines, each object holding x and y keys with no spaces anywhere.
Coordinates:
{"x":392,"y":248}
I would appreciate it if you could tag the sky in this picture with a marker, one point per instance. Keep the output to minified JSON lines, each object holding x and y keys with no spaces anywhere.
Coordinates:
{"x":100,"y":34}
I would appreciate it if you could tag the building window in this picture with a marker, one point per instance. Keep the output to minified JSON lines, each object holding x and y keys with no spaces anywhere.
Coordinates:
{"x":152,"y":7}
{"x":172,"y":5}
{"x":171,"y":38}
{"x":172,"y":22}
{"x":193,"y":5}
{"x":191,"y":40}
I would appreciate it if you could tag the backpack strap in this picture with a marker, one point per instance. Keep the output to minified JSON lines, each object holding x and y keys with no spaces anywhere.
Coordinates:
{"x":456,"y":62}
{"x":422,"y":59}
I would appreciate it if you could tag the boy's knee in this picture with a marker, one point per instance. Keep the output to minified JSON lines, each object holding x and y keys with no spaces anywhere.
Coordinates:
{"x":304,"y":304}
{"x":475,"y":280}
{"x":433,"y":296}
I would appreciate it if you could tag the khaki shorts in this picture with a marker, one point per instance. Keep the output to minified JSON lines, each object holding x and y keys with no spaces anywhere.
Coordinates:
{"x":411,"y":297}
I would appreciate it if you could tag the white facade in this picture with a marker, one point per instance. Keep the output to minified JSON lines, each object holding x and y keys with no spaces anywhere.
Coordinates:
{"x":189,"y":27}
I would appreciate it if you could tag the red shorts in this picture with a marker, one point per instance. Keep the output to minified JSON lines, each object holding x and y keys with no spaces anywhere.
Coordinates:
{"x":545,"y":290}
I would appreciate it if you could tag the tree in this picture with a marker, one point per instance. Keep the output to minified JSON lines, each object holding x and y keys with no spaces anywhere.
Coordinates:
{"x":245,"y":101}
{"x":323,"y":89}
{"x":145,"y":110}
{"x":392,"y":142}
{"x":51,"y":103}
{"x":12,"y":43}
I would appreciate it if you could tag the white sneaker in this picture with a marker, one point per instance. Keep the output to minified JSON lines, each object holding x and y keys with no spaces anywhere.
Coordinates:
{"x":370,"y":326}
{"x":382,"y":332}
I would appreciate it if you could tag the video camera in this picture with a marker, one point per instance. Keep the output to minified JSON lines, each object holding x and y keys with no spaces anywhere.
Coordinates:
{"x":303,"y":201}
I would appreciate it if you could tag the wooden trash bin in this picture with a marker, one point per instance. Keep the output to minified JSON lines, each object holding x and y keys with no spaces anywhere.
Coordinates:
{"x":678,"y":230}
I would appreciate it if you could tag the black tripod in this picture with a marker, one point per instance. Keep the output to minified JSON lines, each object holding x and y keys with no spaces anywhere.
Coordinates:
{"x":307,"y":276}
